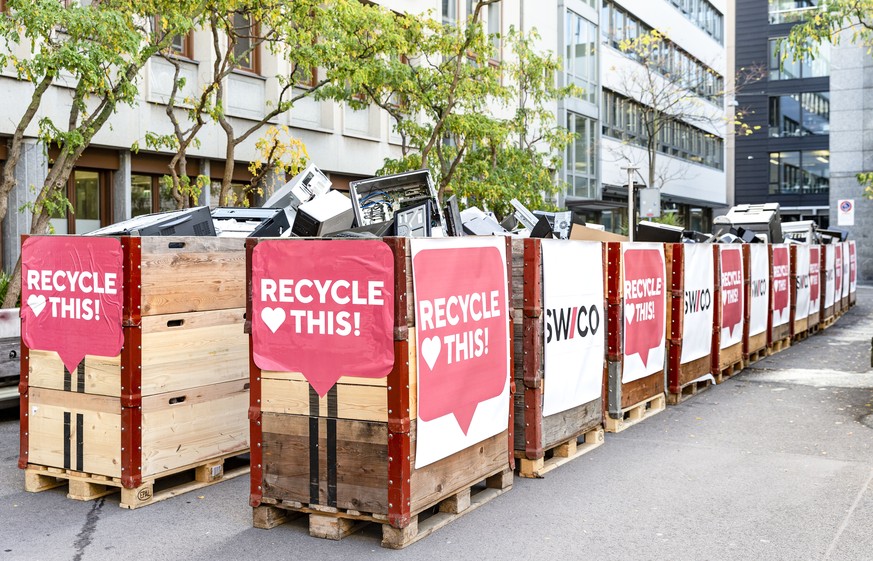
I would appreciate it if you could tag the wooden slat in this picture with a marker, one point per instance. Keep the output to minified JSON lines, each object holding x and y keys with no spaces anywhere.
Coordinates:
{"x":446,"y":477}
{"x":101,"y":439}
{"x":361,"y":402}
{"x":212,"y":421}
{"x":101,"y":373}
{"x":206,"y":274}
{"x":361,"y":457}
{"x":181,"y":351}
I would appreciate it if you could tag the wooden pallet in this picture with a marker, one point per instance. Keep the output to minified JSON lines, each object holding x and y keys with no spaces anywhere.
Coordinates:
{"x":755,"y":356}
{"x":636,"y":413}
{"x":86,"y":487}
{"x":827,"y":322}
{"x":335,"y":524}
{"x":560,"y":454}
{"x":779,"y":346}
{"x":800,"y":336}
{"x":688,"y":390}
{"x":728,"y":371}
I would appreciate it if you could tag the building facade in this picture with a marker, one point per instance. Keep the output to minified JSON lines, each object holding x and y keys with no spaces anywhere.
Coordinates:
{"x":788,"y":160}
{"x":689,"y":165}
{"x":112,"y":183}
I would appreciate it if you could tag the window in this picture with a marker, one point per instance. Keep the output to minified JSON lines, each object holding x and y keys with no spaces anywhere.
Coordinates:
{"x":790,"y":11}
{"x":87,"y":191}
{"x":239,"y":195}
{"x":494,"y":27}
{"x":800,"y":114}
{"x":147,"y":195}
{"x":245,"y":51}
{"x":673,"y":63}
{"x":799,"y":173}
{"x":581,"y":161}
{"x":181,"y":45}
{"x":786,"y":68}
{"x":704,"y":15}
{"x":624,"y":119}
{"x":450,"y":12}
{"x":580,"y":57}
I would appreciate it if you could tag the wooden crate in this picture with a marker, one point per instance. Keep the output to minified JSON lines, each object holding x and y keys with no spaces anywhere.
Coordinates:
{"x":624,"y":400}
{"x":542,"y":442}
{"x":727,"y":361}
{"x":779,"y":337}
{"x":799,"y":325}
{"x":349,"y":457}
{"x":754,"y":346}
{"x":683,"y":379}
{"x":177,"y":395}
{"x":827,"y":313}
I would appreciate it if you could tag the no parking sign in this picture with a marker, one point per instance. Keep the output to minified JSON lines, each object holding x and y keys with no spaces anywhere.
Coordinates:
{"x":846,"y":212}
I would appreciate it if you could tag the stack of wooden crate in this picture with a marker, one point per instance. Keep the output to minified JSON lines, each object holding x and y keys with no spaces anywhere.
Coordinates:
{"x":176,"y":397}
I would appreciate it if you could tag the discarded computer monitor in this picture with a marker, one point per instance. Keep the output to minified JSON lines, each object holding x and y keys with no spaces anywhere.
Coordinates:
{"x":195,"y":221}
{"x":560,"y":222}
{"x":654,"y":232}
{"x":232,"y":222}
{"x":478,"y":223}
{"x":303,"y":187}
{"x":414,"y":221}
{"x":328,"y":213}
{"x":454,"y":225}
{"x":378,"y":199}
{"x":801,"y":231}
{"x":764,"y":220}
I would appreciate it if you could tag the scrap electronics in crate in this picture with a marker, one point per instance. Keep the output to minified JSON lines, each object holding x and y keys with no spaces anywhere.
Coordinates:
{"x":404,"y":204}
{"x":187,"y":222}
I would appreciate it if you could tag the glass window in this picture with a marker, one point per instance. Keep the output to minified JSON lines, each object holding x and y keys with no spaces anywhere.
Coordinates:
{"x":581,"y":161}
{"x":816,"y":171}
{"x":148,"y":195}
{"x":580,"y":57}
{"x":816,"y":112}
{"x":804,"y":68}
{"x":494,"y":13}
{"x":790,"y":11}
{"x":795,"y":173}
{"x":450,"y":12}
{"x":246,"y":32}
{"x":800,"y":114}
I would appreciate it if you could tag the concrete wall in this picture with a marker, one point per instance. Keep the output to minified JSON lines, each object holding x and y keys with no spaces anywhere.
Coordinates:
{"x":851,"y":143}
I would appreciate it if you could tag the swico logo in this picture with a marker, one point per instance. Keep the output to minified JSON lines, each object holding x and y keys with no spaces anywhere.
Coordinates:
{"x":566,"y":323}
{"x":759,"y":288}
{"x":697,"y":300}
{"x":829,"y":275}
{"x":802,"y":281}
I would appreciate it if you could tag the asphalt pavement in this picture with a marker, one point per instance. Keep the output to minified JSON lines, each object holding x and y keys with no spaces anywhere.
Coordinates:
{"x":774,"y":464}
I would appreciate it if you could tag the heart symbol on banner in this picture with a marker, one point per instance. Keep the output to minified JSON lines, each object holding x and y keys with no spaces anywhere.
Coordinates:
{"x":629,"y":312}
{"x":430,"y":350}
{"x":273,"y":317}
{"x":36,"y":303}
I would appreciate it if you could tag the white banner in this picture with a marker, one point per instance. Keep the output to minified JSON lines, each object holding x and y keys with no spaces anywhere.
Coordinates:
{"x":462,"y":336}
{"x":830,"y":256}
{"x":801,"y":282}
{"x":846,"y":267}
{"x":575,"y":324}
{"x":644,"y":291}
{"x":815,"y":279}
{"x":760,"y":288}
{"x":731,"y":288}
{"x":698,"y":272}
{"x":853,"y":267}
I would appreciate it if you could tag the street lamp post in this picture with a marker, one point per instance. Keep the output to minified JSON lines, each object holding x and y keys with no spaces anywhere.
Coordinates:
{"x":631,"y":170}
